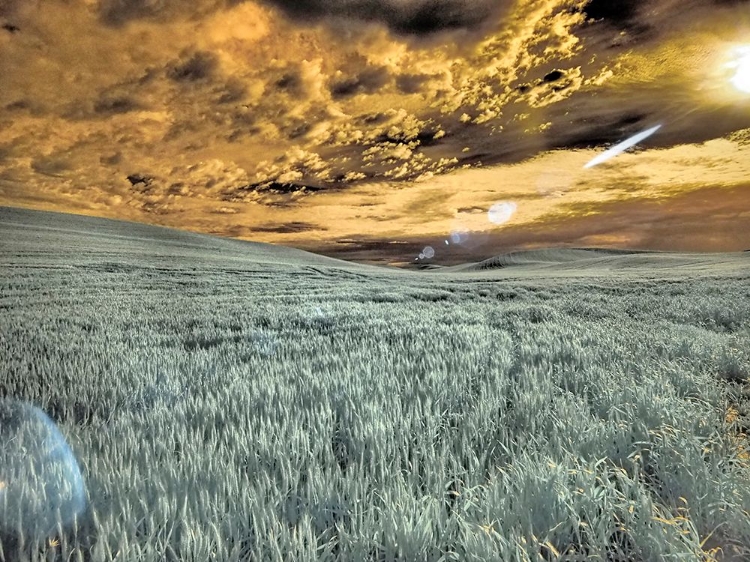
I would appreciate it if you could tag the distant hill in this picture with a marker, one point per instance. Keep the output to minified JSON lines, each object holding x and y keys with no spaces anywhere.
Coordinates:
{"x":604,"y":259}
{"x":31,"y":238}
{"x":83,"y":237}
{"x":547,"y":256}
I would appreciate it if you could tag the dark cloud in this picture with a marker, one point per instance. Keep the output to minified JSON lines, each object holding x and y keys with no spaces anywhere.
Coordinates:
{"x":594,"y":131}
{"x":621,"y":13}
{"x":120,"y":12}
{"x":674,"y":224}
{"x":18,"y":105}
{"x":8,"y":7}
{"x":289,"y":228}
{"x":290,"y":82}
{"x":193,"y":67}
{"x":368,"y":81}
{"x":296,"y":128}
{"x":364,"y":248}
{"x":590,"y":119}
{"x":471,"y":210}
{"x":282,"y":187}
{"x":178,"y":188}
{"x":473,"y":159}
{"x":371,"y":119}
{"x":10,"y":28}
{"x":406,"y":17}
{"x":232,"y":231}
{"x":523,"y":88}
{"x":140,"y":180}
{"x":625,"y":18}
{"x":645,"y":224}
{"x":553,"y":76}
{"x":5,"y":151}
{"x":270,"y":189}
{"x":411,"y":83}
{"x":438,"y":15}
{"x":50,"y":165}
{"x":112,"y":159}
{"x":299,"y":80}
{"x":232,"y":92}
{"x":115,"y":105}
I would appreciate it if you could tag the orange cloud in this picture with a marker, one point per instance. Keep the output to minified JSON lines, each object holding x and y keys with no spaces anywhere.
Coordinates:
{"x":367,"y":121}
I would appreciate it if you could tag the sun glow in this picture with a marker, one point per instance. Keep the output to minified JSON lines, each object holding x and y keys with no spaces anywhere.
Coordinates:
{"x":741,"y":79}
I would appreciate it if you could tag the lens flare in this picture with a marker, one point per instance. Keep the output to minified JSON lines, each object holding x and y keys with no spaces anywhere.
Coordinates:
{"x":41,"y":481}
{"x":500,"y":213}
{"x":622,"y":147}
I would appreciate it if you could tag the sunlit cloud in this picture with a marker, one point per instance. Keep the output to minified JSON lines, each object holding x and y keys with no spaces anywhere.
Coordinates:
{"x":379,"y":118}
{"x":741,"y":79}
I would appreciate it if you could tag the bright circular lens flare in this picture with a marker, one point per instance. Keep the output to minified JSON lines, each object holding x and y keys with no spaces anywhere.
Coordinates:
{"x":741,"y":79}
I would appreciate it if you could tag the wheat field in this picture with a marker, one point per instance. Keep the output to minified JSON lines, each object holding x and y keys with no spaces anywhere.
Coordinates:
{"x":233,"y":402}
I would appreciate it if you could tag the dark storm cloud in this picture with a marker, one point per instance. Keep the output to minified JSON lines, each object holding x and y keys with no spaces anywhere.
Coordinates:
{"x":620,"y":13}
{"x":407,"y":17}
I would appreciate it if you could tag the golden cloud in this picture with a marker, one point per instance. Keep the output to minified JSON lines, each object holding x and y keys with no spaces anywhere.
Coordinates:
{"x":275,"y":104}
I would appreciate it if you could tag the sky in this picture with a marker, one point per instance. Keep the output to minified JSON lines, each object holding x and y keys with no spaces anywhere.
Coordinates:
{"x":386,"y":131}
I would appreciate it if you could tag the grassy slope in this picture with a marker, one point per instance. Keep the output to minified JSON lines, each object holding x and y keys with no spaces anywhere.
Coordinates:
{"x":238,"y":404}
